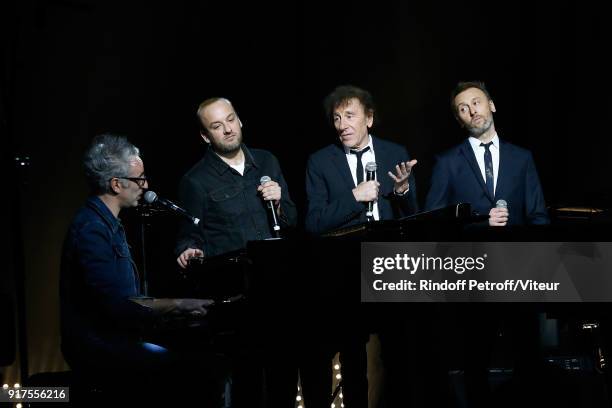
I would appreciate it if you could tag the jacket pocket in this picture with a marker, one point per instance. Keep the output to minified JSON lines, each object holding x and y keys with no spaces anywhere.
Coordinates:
{"x":228,"y":200}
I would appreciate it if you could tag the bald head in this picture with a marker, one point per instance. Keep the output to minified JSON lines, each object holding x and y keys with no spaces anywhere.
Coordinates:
{"x":220,"y":125}
{"x":202,"y":106}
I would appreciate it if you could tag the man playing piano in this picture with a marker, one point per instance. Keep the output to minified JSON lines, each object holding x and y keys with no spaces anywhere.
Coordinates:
{"x":105,"y":320}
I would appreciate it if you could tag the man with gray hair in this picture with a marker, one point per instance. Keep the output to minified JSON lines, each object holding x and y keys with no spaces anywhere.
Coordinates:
{"x":103,"y":315}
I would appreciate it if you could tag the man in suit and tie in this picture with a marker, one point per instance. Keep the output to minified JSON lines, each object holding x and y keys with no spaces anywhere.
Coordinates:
{"x":337,"y":192}
{"x":338,"y":195}
{"x":484,"y":170}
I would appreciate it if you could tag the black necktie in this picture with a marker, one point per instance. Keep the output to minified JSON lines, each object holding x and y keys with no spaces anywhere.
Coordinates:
{"x":359,"y":164}
{"x":488,"y":161}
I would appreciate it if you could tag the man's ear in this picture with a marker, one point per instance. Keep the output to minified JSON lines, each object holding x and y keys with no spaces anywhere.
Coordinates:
{"x":206,"y":139}
{"x":240,"y":122}
{"x":114,"y":185}
{"x":491,"y":105}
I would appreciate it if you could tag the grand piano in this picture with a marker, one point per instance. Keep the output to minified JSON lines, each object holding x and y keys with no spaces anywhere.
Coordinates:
{"x":282,"y":296}
{"x":301,"y":283}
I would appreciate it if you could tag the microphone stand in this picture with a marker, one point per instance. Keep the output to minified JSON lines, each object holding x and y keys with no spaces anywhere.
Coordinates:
{"x":144,"y":211}
{"x":145,"y":285}
{"x":21,"y":172}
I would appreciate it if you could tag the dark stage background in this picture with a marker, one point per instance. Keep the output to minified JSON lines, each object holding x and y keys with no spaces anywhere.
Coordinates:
{"x":73,"y":69}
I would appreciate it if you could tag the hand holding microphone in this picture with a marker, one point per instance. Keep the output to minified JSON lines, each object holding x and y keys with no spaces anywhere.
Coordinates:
{"x":498,"y":216}
{"x":371,"y":176}
{"x":269,"y":190}
{"x":271,"y":193}
{"x":366,"y":191}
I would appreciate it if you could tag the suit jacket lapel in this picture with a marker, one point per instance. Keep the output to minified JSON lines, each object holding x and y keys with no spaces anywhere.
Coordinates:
{"x":468,"y":154}
{"x":339,"y":160}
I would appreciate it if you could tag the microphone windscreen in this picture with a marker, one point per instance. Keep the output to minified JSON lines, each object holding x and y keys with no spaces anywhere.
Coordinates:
{"x":150,"y":196}
{"x":501,"y":204}
{"x":371,"y":166}
{"x":264,"y":179}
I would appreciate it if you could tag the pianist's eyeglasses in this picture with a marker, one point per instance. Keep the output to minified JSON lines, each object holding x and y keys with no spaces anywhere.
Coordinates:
{"x":138,"y":180}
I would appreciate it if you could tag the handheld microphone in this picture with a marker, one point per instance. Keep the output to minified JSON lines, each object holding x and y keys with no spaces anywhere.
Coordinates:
{"x":151,"y":197}
{"x":270,"y":205}
{"x":370,"y":175}
{"x":501,"y":204}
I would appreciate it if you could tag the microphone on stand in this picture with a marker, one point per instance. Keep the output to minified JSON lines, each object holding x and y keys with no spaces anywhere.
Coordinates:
{"x":152,"y":197}
{"x":370,"y":175}
{"x":270,"y":206}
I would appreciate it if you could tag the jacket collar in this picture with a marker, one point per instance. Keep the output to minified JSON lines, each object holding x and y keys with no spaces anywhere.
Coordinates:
{"x":104,"y":212}
{"x":221,"y":167}
{"x":341,"y":163}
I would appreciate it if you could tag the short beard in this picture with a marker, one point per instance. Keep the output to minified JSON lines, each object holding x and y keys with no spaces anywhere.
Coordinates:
{"x":479,"y":131}
{"x":227,"y":149}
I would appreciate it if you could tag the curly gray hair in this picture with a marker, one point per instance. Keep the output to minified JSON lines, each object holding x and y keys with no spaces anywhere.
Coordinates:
{"x":108,"y":156}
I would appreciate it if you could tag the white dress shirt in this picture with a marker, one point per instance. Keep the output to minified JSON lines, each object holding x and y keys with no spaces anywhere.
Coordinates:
{"x":367,"y":157}
{"x":479,"y":152}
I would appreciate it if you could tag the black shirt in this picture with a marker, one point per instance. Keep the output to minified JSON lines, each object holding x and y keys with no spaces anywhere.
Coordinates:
{"x":231,"y":210}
